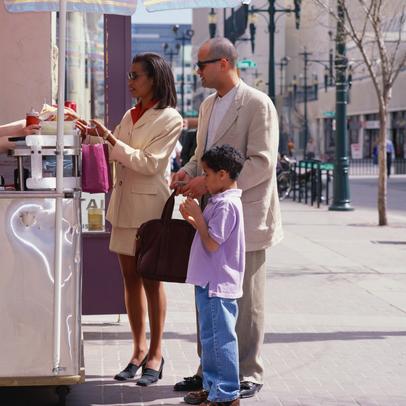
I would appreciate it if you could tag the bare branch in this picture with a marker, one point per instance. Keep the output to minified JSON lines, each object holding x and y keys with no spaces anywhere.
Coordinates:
{"x":397,"y":70}
{"x":396,"y":50}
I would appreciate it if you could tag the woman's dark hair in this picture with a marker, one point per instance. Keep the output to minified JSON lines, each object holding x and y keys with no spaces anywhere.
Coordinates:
{"x":161,"y":73}
{"x":226,"y":158}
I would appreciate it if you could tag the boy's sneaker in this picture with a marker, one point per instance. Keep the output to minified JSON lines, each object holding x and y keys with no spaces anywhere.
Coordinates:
{"x":196,"y":397}
{"x":235,"y":402}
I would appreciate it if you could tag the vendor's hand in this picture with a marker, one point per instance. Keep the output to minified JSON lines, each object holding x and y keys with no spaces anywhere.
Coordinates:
{"x":179,"y":181}
{"x":31,"y":129}
{"x":195,"y":188}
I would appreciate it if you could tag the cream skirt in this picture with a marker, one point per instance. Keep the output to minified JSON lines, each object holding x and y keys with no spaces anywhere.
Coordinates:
{"x":122,"y":240}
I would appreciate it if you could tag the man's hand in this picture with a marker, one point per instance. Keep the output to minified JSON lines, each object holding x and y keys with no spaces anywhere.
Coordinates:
{"x":196,"y":188}
{"x":179,"y":181}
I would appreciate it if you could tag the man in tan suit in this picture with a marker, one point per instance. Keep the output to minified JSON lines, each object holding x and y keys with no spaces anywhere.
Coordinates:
{"x":245,"y":118}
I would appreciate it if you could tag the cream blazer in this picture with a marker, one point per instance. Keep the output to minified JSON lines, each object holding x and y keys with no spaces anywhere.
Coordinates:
{"x":251,"y":126}
{"x":141,"y":156}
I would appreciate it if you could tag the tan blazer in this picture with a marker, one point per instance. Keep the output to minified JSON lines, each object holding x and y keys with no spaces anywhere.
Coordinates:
{"x":141,"y":156}
{"x":251,"y":126}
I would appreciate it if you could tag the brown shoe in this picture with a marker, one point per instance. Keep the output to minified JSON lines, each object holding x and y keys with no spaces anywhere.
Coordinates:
{"x":196,"y":397}
{"x":235,"y":402}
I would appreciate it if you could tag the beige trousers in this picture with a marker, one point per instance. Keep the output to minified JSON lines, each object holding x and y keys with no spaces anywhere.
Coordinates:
{"x":251,"y":317}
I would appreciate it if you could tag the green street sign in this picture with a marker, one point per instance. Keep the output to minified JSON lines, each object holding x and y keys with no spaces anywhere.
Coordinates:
{"x":329,"y":114}
{"x":246,"y":64}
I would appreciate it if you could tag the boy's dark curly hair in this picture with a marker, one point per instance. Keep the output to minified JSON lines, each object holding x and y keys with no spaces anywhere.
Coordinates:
{"x":224,"y":157}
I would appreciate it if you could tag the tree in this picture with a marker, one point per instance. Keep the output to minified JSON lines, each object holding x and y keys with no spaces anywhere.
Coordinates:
{"x":376,"y":28}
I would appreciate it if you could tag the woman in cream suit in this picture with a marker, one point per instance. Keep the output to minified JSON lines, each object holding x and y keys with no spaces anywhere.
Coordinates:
{"x":140,"y":148}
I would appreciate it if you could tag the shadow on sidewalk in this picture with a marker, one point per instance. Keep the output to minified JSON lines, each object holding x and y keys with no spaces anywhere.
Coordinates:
{"x":99,"y":390}
{"x":333,"y":336}
{"x":126,"y":335}
{"x":28,"y":396}
{"x":95,"y":390}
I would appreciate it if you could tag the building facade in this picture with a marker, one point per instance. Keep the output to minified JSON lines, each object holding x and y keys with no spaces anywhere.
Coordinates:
{"x":163,"y":40}
{"x":315,"y":41}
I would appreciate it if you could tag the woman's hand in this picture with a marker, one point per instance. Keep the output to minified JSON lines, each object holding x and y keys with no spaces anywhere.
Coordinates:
{"x":99,"y":128}
{"x":94,"y":128}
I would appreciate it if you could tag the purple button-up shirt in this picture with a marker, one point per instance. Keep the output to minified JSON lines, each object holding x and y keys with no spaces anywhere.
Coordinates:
{"x":222,"y":270}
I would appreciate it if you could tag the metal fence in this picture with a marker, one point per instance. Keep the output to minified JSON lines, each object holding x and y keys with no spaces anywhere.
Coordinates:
{"x":361,"y":167}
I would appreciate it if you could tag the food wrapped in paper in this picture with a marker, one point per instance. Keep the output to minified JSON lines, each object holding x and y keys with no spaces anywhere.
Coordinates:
{"x":49,"y":113}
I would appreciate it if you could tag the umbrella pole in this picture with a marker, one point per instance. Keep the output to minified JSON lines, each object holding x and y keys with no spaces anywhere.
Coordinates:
{"x":56,"y":365}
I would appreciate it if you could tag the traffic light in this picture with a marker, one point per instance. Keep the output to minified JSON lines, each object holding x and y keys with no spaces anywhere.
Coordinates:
{"x":297,"y":12}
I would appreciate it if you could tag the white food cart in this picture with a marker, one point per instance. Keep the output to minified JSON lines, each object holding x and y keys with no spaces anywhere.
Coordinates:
{"x":41,"y":316}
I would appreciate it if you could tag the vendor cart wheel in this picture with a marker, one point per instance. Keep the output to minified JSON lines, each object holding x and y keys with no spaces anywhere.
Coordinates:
{"x":62,"y":392}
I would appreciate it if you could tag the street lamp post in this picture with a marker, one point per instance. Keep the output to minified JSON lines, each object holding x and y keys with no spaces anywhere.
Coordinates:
{"x":212,"y":23}
{"x":341,"y":188}
{"x":328,"y":69}
{"x":183,"y":37}
{"x":271,"y":10}
{"x":170,"y":52}
{"x":282,"y":65}
{"x":306,"y":127}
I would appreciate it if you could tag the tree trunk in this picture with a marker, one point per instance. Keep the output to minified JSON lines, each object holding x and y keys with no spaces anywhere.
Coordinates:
{"x":382,"y":179}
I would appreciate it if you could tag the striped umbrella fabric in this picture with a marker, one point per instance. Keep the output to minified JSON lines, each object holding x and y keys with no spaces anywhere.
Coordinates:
{"x":121,"y":7}
{"x":157,"y":5}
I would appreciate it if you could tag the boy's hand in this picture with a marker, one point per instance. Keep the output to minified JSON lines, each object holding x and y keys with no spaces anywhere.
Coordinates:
{"x":191,"y":212}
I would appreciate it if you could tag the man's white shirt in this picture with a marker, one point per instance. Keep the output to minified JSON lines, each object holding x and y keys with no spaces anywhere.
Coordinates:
{"x":220,"y":108}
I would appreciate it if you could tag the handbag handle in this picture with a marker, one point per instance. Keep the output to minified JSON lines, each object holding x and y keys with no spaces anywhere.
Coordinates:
{"x":168,"y":208}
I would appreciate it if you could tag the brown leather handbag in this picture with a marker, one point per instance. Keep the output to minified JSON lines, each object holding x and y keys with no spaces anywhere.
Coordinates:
{"x":163,"y":246}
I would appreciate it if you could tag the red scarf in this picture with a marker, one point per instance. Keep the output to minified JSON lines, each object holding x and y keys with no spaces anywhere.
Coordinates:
{"x":139,"y":110}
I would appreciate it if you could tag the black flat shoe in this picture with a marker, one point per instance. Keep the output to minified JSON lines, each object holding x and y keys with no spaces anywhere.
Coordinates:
{"x":189,"y":384}
{"x":150,"y":376}
{"x":130,"y":370}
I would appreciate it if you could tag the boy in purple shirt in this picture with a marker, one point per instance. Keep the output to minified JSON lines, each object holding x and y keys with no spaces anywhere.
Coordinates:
{"x":216,"y":268}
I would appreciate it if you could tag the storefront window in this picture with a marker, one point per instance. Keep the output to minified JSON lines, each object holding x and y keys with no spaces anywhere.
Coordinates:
{"x":398,"y":133}
{"x":371,"y":134}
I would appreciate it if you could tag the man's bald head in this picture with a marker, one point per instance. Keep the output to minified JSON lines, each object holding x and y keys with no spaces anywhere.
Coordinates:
{"x":220,"y":47}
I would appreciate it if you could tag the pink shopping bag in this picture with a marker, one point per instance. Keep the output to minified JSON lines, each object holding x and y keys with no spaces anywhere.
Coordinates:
{"x":96,"y":177}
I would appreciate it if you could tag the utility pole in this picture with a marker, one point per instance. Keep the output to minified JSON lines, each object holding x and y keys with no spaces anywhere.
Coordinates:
{"x":341,"y":187}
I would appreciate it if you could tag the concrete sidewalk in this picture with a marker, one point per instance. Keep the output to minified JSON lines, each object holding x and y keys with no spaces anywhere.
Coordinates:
{"x":335,"y":329}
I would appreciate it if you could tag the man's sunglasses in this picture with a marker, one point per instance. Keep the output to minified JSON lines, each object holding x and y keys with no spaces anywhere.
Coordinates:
{"x":201,"y":64}
{"x":133,"y":75}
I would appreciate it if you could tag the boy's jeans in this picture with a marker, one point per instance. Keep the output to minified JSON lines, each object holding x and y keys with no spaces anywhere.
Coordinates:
{"x":217,"y":319}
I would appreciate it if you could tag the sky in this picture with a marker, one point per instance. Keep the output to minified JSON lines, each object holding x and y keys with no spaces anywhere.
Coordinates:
{"x":161,"y":17}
